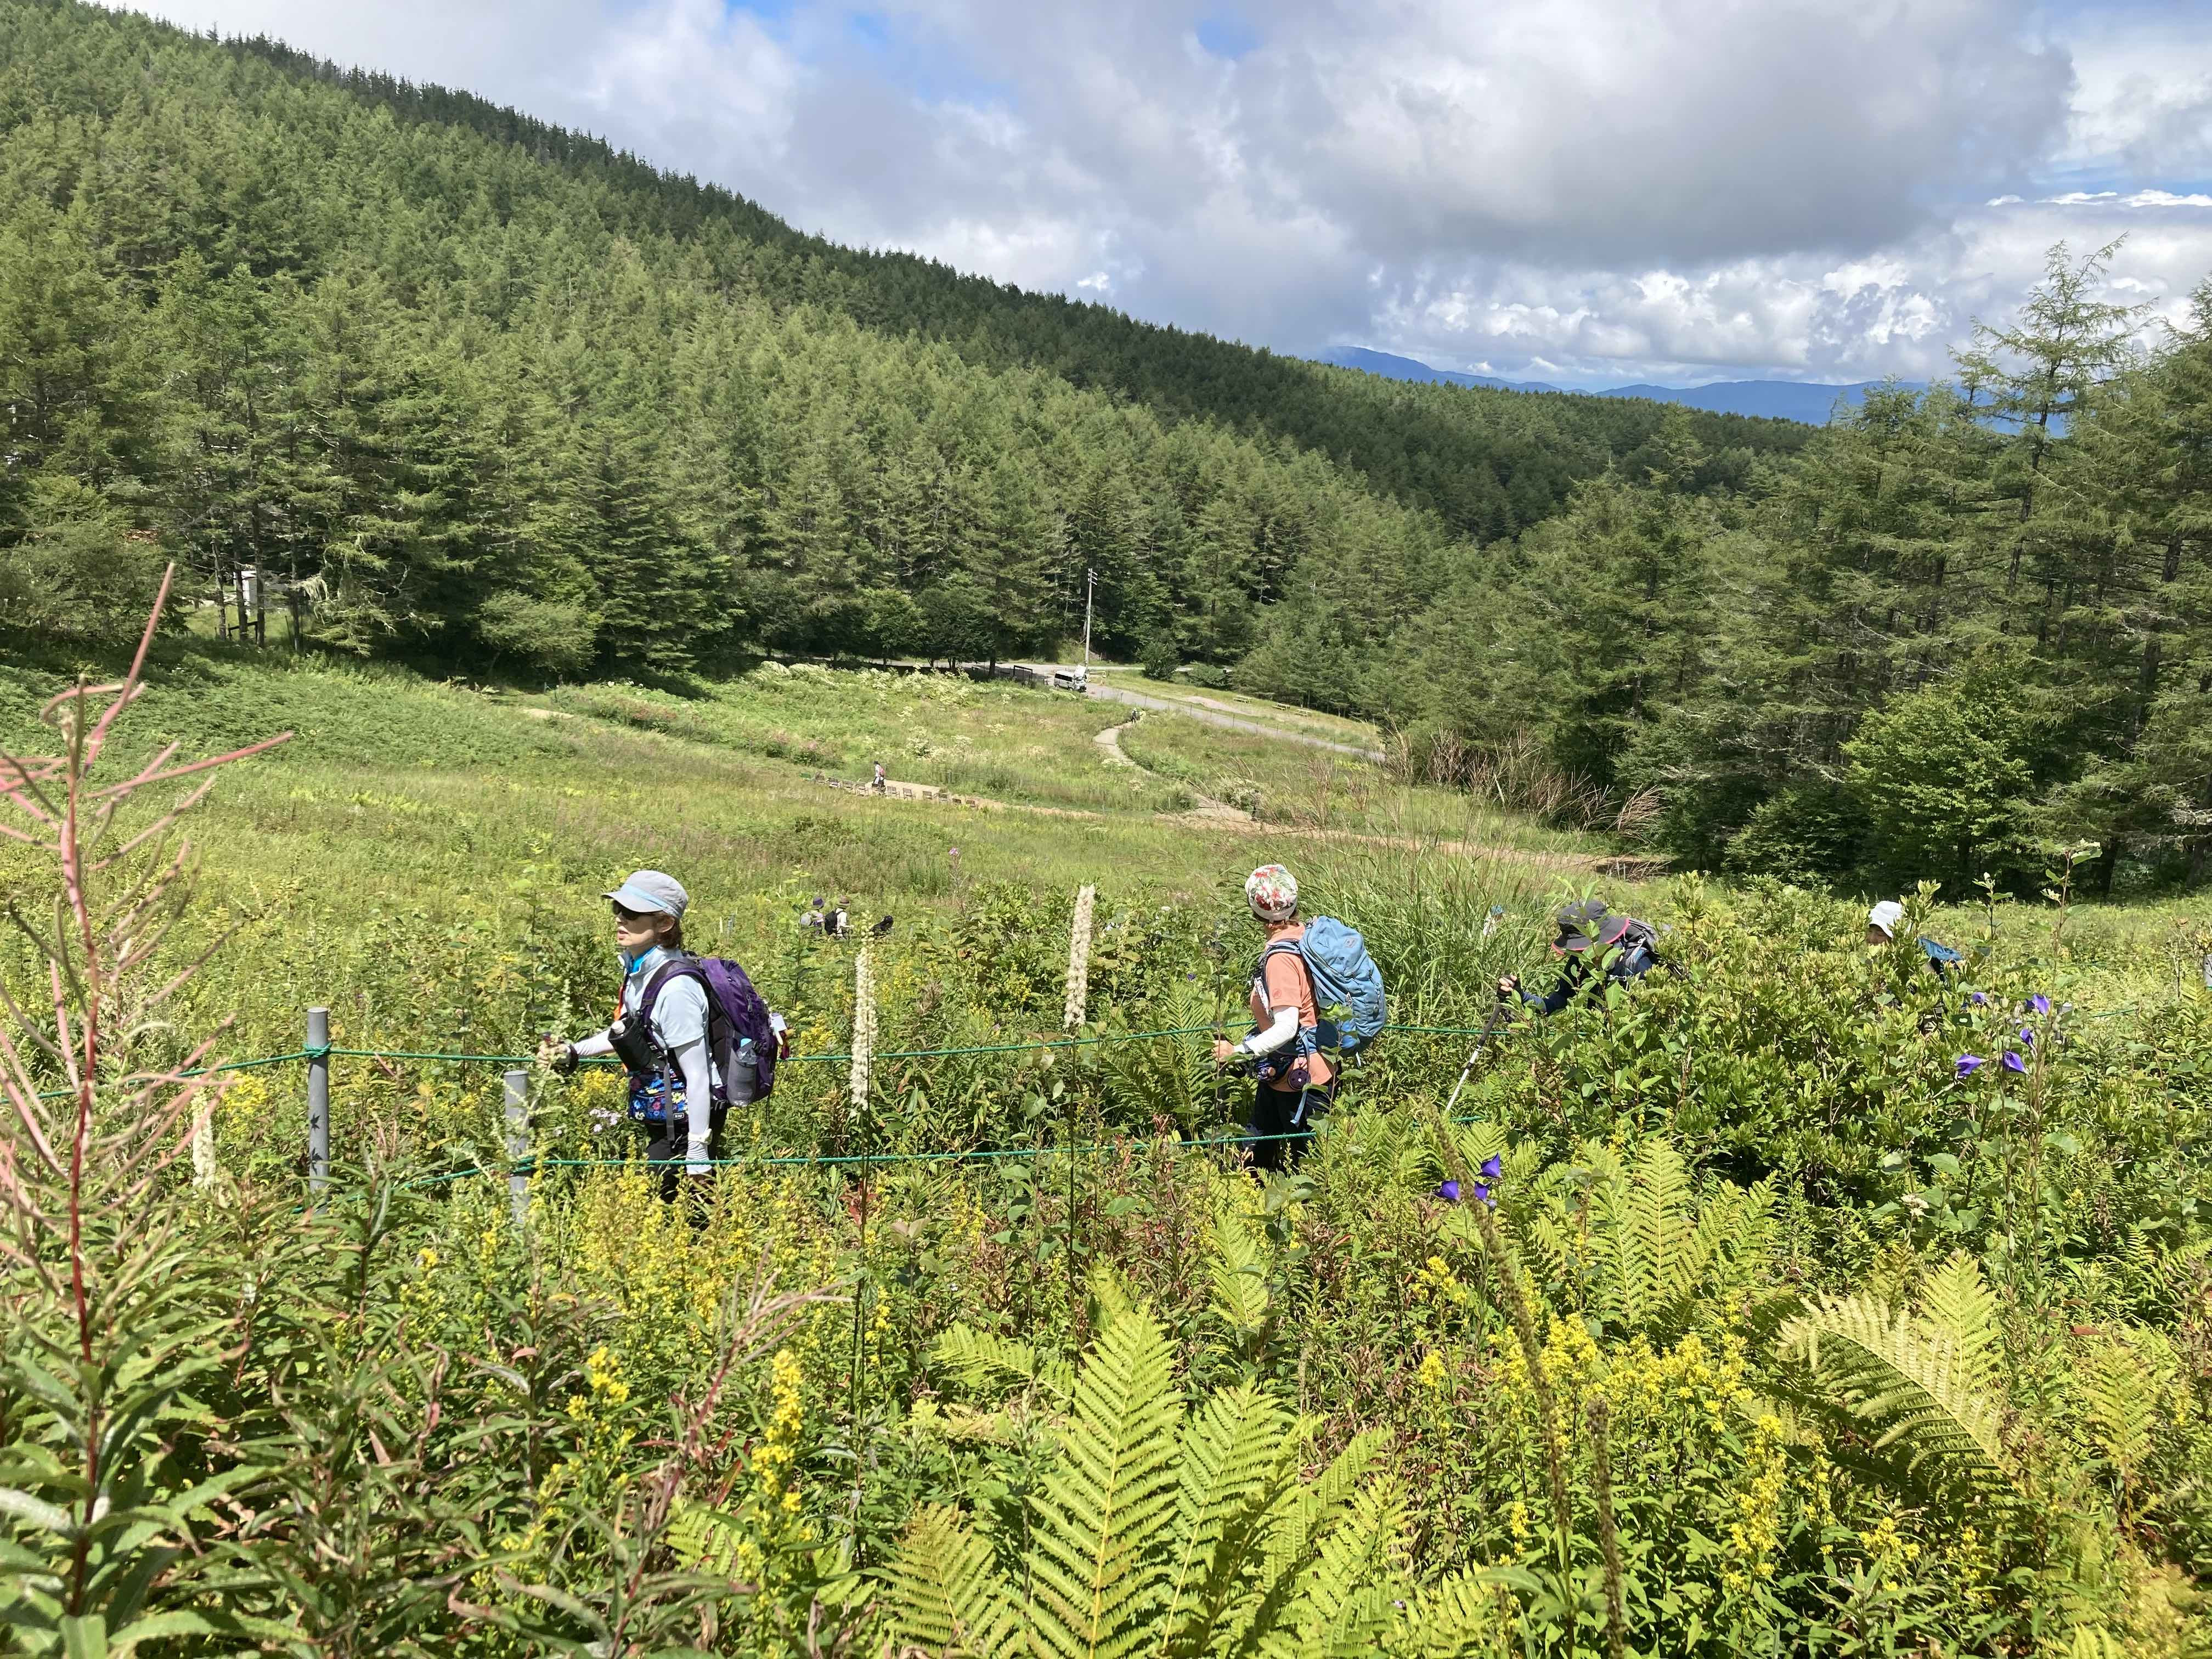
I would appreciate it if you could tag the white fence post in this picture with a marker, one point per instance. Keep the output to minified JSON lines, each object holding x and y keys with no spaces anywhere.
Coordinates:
{"x":517,"y":1145}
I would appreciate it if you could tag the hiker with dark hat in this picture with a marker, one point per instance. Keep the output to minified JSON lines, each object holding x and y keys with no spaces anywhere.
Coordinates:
{"x":1597,"y":948}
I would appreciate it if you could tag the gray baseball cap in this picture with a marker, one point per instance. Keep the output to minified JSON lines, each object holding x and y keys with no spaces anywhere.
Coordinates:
{"x":651,"y":890}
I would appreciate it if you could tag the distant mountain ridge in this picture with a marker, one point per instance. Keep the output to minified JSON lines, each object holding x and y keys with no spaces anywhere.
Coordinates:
{"x":1407,"y":368}
{"x":1809,"y":402}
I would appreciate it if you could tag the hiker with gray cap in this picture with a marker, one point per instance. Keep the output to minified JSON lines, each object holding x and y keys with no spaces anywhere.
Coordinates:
{"x":691,"y":1032}
{"x":1597,"y":949}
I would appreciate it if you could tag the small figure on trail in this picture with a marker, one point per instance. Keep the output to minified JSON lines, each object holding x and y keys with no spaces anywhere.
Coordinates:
{"x":693,"y":1035}
{"x":882,"y":928}
{"x":1294,"y":1081}
{"x":812,"y":917}
{"x":1597,"y":948}
{"x":839,"y":923}
{"x":879,"y":781}
{"x":1882,"y":923}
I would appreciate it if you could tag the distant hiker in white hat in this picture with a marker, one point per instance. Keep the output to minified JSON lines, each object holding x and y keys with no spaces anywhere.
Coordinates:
{"x":1885,"y":918}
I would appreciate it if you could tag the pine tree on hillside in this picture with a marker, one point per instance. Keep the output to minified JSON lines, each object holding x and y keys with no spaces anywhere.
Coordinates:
{"x":658,"y":591}
{"x":2032,"y":378}
{"x":2147,"y":450}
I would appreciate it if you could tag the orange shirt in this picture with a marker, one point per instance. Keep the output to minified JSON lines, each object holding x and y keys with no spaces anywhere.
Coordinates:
{"x":1286,"y":985}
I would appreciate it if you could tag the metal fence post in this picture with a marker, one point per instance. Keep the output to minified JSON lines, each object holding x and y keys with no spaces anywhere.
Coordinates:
{"x":517,"y":1145}
{"x":318,"y":1098}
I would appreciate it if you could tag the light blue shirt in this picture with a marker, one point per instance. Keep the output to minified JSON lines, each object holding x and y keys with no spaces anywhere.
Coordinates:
{"x":679,"y":1012}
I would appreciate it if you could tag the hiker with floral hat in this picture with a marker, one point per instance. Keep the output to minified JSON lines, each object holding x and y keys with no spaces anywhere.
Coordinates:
{"x":1597,"y":948}
{"x":1294,"y":1080}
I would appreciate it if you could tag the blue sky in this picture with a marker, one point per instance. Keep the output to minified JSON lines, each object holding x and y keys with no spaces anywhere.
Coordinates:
{"x":1585,"y":191}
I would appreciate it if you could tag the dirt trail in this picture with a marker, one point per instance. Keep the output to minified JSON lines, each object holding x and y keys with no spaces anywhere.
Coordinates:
{"x":1213,"y":714}
{"x":1208,"y":807}
{"x":1219,"y":815}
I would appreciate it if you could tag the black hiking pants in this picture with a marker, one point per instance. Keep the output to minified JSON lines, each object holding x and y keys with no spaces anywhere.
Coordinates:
{"x":1282,"y":1123}
{"x":668,"y":1149}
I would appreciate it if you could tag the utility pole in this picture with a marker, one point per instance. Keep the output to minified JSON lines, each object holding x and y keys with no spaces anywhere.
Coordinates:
{"x":1089,"y":585}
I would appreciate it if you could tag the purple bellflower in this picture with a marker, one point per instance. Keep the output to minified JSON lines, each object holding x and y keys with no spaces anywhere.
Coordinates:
{"x":1969,"y":1063}
{"x":2041,"y":1003}
{"x":1449,"y":1191}
{"x":1492,"y":1167}
{"x":2015,"y":1063}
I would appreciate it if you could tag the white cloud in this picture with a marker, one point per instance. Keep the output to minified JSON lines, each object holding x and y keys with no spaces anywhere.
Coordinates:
{"x":1582,"y":190}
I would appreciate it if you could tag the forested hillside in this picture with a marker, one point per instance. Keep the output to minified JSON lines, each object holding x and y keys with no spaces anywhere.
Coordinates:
{"x":475,"y":388}
{"x":1967,"y":629}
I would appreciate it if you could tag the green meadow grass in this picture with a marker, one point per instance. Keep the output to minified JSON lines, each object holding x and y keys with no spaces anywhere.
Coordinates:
{"x":413,"y":835}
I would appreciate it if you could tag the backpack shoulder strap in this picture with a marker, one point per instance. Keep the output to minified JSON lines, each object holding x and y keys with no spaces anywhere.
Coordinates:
{"x":1279,"y":948}
{"x":681,"y":967}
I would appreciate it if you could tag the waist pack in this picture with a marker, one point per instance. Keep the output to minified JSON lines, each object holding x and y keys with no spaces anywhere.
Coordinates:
{"x":744,"y":1039}
{"x":1347,"y":985}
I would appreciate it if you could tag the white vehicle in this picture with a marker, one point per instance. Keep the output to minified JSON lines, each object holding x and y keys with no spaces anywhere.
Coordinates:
{"x":1071,"y":679}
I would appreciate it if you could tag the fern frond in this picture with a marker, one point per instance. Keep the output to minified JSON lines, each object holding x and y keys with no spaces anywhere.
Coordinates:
{"x":1301,"y":1517}
{"x":702,"y":1539}
{"x":1343,"y":1605}
{"x":1472,"y":1611}
{"x":1239,"y":1268}
{"x":1109,"y":1293}
{"x":943,"y":1595}
{"x":1102,"y":1516}
{"x":1956,"y":1304}
{"x":1550,"y":1251}
{"x":1646,"y":1254}
{"x":989,"y":1363}
{"x":2120,"y":1389}
{"x":1732,"y":1237}
{"x":1237,"y":1462}
{"x":1923,"y":1386}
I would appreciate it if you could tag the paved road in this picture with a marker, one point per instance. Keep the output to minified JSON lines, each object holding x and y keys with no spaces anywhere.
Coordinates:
{"x":1232,"y":722}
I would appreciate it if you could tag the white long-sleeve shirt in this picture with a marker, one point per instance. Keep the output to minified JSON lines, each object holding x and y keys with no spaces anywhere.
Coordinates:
{"x":679,"y":1023}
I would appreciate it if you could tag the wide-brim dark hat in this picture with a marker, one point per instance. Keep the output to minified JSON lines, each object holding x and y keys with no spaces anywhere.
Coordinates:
{"x":1586,"y":923}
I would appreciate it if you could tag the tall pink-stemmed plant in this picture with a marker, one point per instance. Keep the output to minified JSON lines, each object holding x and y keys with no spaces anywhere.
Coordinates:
{"x":104,"y":1334}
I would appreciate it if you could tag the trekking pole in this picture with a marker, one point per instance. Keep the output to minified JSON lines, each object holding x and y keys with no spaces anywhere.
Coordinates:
{"x":1474,"y":1054}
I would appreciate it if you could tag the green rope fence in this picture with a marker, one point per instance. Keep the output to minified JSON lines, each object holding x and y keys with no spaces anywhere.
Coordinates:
{"x":440,"y":1056}
{"x":334,"y":1053}
{"x":794,"y":1159}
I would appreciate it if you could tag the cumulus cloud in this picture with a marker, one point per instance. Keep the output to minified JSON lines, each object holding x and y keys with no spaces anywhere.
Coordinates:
{"x":1586,"y":190}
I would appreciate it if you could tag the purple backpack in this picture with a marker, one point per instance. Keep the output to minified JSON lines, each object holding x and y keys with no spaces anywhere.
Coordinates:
{"x":734,"y":1012}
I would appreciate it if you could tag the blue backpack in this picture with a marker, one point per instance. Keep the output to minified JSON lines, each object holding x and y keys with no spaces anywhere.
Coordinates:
{"x":1345,"y":978}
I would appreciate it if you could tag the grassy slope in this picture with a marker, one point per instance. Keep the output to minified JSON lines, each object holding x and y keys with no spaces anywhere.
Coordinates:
{"x":1334,"y":727}
{"x":407,"y":816}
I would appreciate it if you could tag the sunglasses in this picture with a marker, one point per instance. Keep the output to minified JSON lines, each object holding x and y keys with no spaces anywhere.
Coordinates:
{"x":622,"y":912}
